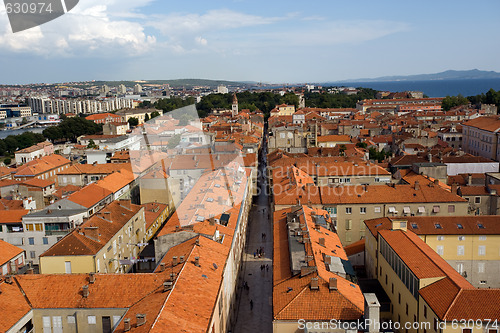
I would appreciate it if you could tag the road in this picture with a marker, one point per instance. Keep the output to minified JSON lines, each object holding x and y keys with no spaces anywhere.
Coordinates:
{"x":259,"y":318}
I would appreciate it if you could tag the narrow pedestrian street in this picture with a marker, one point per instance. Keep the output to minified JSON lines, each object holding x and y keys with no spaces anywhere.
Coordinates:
{"x":255,"y":303}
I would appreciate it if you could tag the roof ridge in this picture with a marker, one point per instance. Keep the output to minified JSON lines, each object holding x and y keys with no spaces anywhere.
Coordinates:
{"x":454,"y":300}
{"x":293,"y":298}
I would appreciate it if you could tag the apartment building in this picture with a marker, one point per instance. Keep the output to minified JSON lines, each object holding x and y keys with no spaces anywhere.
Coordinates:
{"x":45,"y":167}
{"x":424,"y":288}
{"x":332,"y":140}
{"x":91,"y":199}
{"x":470,"y":244}
{"x":84,"y":174}
{"x":480,"y":137}
{"x":349,"y":206}
{"x":108,"y":242}
{"x":12,"y":258}
{"x":140,"y":114}
{"x":36,"y":151}
{"x":331,"y":170}
{"x":291,"y":139}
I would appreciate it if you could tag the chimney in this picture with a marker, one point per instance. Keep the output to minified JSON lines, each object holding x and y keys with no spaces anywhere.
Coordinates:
{"x":92,"y":233}
{"x":212,"y":220}
{"x":197,"y":242}
{"x":141,"y":319}
{"x":126,"y":325}
{"x":372,"y":312}
{"x":454,"y":188}
{"x":92,"y":277}
{"x":429,"y":156}
{"x":317,"y":227}
{"x":436,"y":182}
{"x":322,"y":241}
{"x":174,"y":261}
{"x":197,"y":261}
{"x":332,"y":284}
{"x":8,"y":279}
{"x":85,"y":291}
{"x":469,"y":179}
{"x":167,"y":285}
{"x":172,"y":276}
{"x":306,"y":270}
{"x":328,"y":260}
{"x":314,"y":284}
{"x":417,"y":185}
{"x":162,"y":267}
{"x":181,"y":258}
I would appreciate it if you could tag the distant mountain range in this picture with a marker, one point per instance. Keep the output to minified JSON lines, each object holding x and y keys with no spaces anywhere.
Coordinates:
{"x":446,"y":75}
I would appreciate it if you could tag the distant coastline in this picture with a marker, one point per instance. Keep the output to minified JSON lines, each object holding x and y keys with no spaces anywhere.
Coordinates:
{"x":432,"y":88}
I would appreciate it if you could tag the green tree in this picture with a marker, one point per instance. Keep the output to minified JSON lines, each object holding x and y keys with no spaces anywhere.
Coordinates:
{"x":24,"y":121}
{"x":91,"y":144}
{"x":155,"y":114}
{"x":72,"y":128}
{"x":7,"y":161}
{"x":450,"y":102}
{"x":133,"y":121}
{"x":361,"y":145}
{"x":146,"y":118}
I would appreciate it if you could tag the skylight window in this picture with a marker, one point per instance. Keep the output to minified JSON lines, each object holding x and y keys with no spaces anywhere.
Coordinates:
{"x":480,"y":226}
{"x":459,"y":226}
{"x":414,"y":225}
{"x":438,"y":226}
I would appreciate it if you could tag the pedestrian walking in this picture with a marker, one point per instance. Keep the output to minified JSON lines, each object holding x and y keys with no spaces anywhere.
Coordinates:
{"x":254,"y":255}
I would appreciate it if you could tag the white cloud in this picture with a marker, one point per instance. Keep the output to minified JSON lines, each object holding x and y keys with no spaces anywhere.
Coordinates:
{"x":92,"y":28}
{"x":201,"y":41}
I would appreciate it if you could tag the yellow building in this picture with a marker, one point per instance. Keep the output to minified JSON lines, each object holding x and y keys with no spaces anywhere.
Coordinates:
{"x":423,"y":288}
{"x":470,"y":244}
{"x":155,"y":214}
{"x":109,"y":242}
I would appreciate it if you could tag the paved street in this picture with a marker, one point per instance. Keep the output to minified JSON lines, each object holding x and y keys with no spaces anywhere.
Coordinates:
{"x":258,"y":319}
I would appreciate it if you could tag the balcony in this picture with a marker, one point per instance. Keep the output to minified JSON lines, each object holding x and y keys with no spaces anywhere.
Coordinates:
{"x":56,"y":232}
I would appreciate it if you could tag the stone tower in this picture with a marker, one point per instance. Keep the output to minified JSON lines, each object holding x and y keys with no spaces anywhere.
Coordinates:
{"x":234,"y":109}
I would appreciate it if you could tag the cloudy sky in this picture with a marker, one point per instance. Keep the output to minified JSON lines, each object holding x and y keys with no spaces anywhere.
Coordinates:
{"x":268,"y":41}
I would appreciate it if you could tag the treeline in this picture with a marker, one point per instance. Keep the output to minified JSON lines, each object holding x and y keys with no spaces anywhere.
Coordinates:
{"x":71,"y":128}
{"x":12,"y":143}
{"x":339,"y":100}
{"x":491,"y":97}
{"x":170,"y":104}
{"x":264,"y":101}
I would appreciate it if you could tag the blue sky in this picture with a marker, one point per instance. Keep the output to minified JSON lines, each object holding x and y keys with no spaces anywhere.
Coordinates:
{"x":267,"y":41}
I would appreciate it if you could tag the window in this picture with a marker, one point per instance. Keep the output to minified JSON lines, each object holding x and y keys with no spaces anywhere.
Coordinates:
{"x":477,"y":200}
{"x":30,"y":227}
{"x":460,"y":250}
{"x":480,"y":267}
{"x":116,"y":319}
{"x":392,"y":289}
{"x":461,"y":238}
{"x":348,"y":210}
{"x":47,"y":328}
{"x":31,"y":240}
{"x":91,"y":320}
{"x":71,"y":319}
{"x":435,"y":209}
{"x":386,"y":279}
{"x":425,"y":311}
{"x":406,"y":308}
{"x":57,"y":324}
{"x":406,"y":210}
{"x":460,"y":268}
{"x":466,"y":330}
{"x":38,"y":227}
{"x":348,"y":224}
{"x":482,"y":238}
{"x":399,"y":298}
{"x":45,"y":240}
{"x":32,"y":254}
{"x":481,"y":250}
{"x":440,"y":238}
{"x":377,"y":209}
{"x":440,"y":250}
{"x":451,"y":208}
{"x":362,"y":210}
